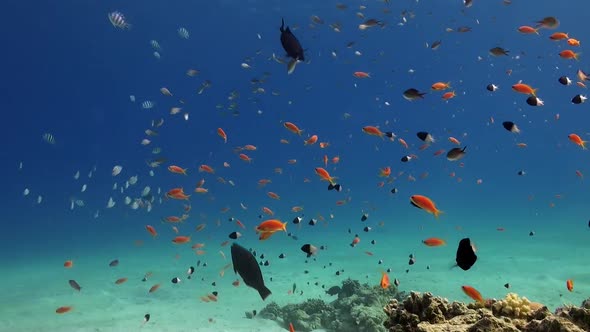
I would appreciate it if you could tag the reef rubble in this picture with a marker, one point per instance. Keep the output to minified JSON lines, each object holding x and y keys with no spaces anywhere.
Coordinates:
{"x":423,"y":312}
{"x":358,"y":308}
{"x":366,"y":308}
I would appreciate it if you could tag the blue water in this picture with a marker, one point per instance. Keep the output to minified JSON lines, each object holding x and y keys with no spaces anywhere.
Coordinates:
{"x":69,"y":72}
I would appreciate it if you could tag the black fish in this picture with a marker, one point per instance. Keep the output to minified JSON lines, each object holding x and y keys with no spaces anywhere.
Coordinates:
{"x":75,"y":285}
{"x":466,"y":256}
{"x":413,"y":94}
{"x":534,"y":101}
{"x":455,"y":154}
{"x":246,"y":266}
{"x":564,"y":80}
{"x":336,"y":187}
{"x":114,"y":263}
{"x":511,"y":126}
{"x":334,"y":290}
{"x":292,"y":46}
{"x":578,"y":99}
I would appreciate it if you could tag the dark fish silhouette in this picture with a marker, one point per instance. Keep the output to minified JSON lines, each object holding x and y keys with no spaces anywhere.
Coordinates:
{"x":246,"y":266}
{"x":456,"y":153}
{"x":466,"y":256}
{"x":292,"y":46}
{"x":75,"y":285}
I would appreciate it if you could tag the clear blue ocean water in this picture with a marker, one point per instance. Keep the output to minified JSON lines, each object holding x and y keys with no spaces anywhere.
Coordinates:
{"x":69,"y":72}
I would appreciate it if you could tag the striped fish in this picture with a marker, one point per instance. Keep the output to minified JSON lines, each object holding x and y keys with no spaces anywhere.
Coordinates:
{"x":183,"y":33}
{"x":147,"y":105}
{"x":118,"y":20}
{"x":47,"y":137}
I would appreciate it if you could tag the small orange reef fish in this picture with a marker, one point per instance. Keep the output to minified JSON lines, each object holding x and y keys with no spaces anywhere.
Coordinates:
{"x":449,"y":95}
{"x":151,"y":230}
{"x":439,"y":86}
{"x":181,"y":239}
{"x":63,"y":310}
{"x":120,"y":281}
{"x":68,"y":264}
{"x":576,"y":139}
{"x":426,"y":204}
{"x":177,"y":170}
{"x":434,"y":242}
{"x":206,"y":168}
{"x":291,"y":328}
{"x":361,"y":74}
{"x":570,"y":285}
{"x":222,"y":134}
{"x":524,"y":89}
{"x":271,"y":225}
{"x":473,"y":293}
{"x":384,"y":281}
{"x":324,"y":175}
{"x":528,"y":30}
{"x":293,"y":128}
{"x":373,"y":131}
{"x":559,"y":36}
{"x":569,"y":54}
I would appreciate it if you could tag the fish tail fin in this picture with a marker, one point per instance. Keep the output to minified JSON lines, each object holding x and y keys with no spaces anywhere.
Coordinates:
{"x":282,"y":28}
{"x":284,"y":226}
{"x":534,"y":93}
{"x":584,"y":145}
{"x":291,"y":66}
{"x":577,"y":56}
{"x":264,"y":292}
{"x":437,"y":213}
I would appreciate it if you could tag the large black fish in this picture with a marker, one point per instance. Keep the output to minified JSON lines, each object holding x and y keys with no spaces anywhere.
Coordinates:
{"x":246,"y":266}
{"x":292,"y":46}
{"x":466,"y":256}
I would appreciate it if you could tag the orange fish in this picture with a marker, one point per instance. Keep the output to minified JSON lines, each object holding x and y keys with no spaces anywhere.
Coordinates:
{"x":573,"y":42}
{"x":425,"y":204}
{"x":434,"y":242}
{"x":181,"y":239}
{"x":385,"y":172}
{"x":291,"y":328}
{"x":273,"y":195}
{"x":206,"y":168}
{"x":559,"y":36}
{"x":570,"y":285}
{"x":324,"y":145}
{"x":68,"y":264}
{"x":528,"y":30}
{"x":201,"y":190}
{"x":154,"y":288}
{"x":439,"y":86}
{"x":250,"y":147}
{"x":172,"y":219}
{"x":177,"y":170}
{"x":402,"y":142}
{"x":120,"y":281}
{"x":267,"y":211}
{"x":271,"y":225}
{"x":312,"y":140}
{"x":293,"y":128}
{"x":325,"y":160}
{"x":576,"y":139}
{"x":361,"y":74}
{"x":569,"y":54}
{"x":524,"y":88}
{"x":63,"y":310}
{"x":473,"y":293}
{"x":324,"y":175}
{"x":384,"y":281}
{"x":373,"y":131}
{"x":222,"y":134}
{"x":151,"y":230}
{"x":245,"y":158}
{"x":449,"y":95}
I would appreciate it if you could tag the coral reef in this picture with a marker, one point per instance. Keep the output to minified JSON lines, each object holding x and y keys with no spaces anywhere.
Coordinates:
{"x":426,"y":313}
{"x":358,"y":308}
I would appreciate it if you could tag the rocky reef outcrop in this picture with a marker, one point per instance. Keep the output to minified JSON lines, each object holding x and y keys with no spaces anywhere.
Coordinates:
{"x":423,"y":312}
{"x":358,"y":308}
